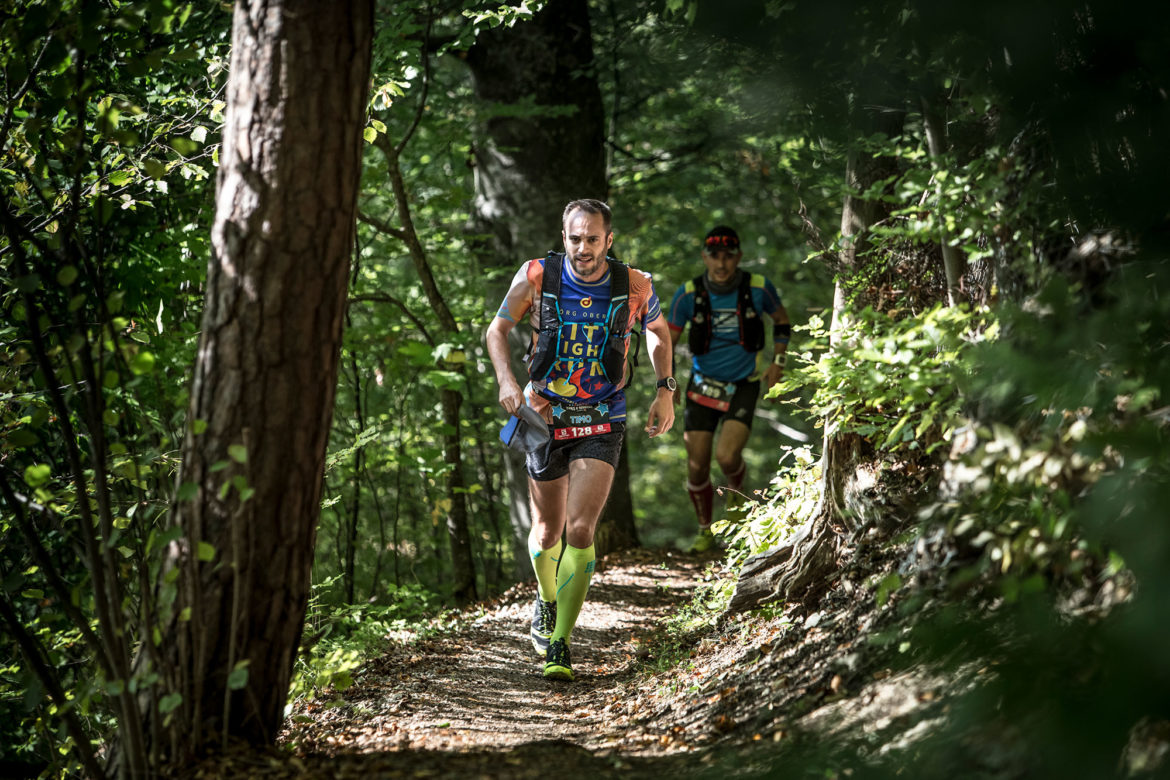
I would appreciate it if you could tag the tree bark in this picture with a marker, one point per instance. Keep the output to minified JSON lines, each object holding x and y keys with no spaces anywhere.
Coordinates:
{"x":800,"y":568}
{"x":526,"y":169}
{"x":616,"y":529}
{"x":954,"y":262}
{"x":263,"y":391}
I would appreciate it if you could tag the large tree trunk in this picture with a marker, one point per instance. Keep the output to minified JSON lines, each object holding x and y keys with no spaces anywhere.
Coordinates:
{"x":263,"y":391}
{"x":527,"y":168}
{"x":616,"y":529}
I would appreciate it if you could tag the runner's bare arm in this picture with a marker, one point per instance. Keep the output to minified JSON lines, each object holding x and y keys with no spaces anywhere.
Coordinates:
{"x":659,"y":345}
{"x":516,"y":304}
{"x":675,"y":335}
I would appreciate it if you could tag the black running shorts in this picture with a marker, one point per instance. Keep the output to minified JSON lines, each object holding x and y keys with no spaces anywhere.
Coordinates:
{"x":697,"y":417}
{"x":552,"y":462}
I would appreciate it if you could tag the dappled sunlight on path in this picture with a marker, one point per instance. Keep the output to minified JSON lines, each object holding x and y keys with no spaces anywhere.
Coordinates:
{"x":482,"y":688}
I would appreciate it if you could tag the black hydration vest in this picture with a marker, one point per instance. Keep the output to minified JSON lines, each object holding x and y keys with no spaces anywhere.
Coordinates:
{"x":617,"y":321}
{"x":751,"y":327}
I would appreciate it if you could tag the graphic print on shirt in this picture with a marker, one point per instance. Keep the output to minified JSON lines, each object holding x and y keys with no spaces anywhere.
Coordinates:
{"x":576,"y":376}
{"x":724,"y":327}
{"x":577,"y":371}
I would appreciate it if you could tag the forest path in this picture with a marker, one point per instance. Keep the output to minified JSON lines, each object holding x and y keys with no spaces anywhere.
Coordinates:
{"x":476,"y":701}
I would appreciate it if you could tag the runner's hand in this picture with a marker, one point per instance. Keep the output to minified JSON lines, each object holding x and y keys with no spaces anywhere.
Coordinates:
{"x":661,"y":417}
{"x":511,"y":396}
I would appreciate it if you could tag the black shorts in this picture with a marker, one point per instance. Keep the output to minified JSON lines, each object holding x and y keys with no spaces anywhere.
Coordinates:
{"x":552,"y":462}
{"x":742,"y":408}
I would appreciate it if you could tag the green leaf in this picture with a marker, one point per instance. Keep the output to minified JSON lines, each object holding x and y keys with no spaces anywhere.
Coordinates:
{"x":887,"y":586}
{"x":29,"y":283}
{"x":169,"y":702}
{"x":184,"y":146}
{"x":198,"y":426}
{"x":206,"y":551}
{"x":142,"y":363}
{"x":21,"y":438}
{"x":239,"y":676}
{"x":370,"y":134}
{"x":238,"y":453}
{"x":154,"y":169}
{"x":67,"y":275}
{"x":37,"y":474}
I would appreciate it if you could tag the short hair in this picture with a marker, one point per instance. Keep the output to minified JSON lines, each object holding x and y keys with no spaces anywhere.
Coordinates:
{"x":589,"y":206}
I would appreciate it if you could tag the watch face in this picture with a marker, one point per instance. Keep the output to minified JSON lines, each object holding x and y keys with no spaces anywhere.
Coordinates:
{"x":668,"y":383}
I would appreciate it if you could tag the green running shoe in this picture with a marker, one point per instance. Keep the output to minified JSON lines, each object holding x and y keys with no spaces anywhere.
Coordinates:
{"x":703,"y":542}
{"x":557,"y":665}
{"x":543,"y":622}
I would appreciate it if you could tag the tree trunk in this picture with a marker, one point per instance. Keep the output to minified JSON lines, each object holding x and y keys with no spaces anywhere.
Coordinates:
{"x":458,"y":535}
{"x":616,"y":529}
{"x":263,"y":390}
{"x":954,"y":262}
{"x":801,"y":567}
{"x":527,"y":168}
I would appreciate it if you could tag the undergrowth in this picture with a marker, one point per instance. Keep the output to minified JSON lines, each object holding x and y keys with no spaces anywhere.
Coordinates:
{"x":340,"y":638}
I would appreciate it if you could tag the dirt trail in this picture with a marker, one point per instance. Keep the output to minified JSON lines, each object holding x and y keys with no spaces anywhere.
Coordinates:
{"x":752,"y":696}
{"x":480,"y":692}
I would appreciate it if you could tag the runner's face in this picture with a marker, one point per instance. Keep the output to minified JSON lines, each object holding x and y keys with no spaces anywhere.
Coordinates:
{"x":586,"y":244}
{"x":721,"y":264}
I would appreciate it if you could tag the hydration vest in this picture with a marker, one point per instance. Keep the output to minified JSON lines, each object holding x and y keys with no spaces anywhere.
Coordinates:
{"x":751,"y":327}
{"x":617,"y":321}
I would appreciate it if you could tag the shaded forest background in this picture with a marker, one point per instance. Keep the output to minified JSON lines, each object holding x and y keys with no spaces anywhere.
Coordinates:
{"x":963,"y":208}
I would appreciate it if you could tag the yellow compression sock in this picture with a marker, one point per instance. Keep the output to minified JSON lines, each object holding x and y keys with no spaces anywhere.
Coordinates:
{"x":572,"y":584}
{"x":544,"y":563}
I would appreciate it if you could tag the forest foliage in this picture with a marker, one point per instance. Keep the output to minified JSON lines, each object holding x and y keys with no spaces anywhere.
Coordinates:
{"x":1028,"y":421}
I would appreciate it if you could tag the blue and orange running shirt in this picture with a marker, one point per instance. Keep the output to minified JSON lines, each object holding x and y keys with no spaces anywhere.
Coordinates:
{"x":576,"y":375}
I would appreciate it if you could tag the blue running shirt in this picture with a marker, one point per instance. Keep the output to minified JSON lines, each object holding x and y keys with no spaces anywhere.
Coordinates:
{"x":726,"y":361}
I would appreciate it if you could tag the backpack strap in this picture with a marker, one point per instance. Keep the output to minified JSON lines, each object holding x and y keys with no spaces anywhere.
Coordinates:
{"x":548,"y":339}
{"x":751,"y":327}
{"x":617,"y":322}
{"x":699,"y":339}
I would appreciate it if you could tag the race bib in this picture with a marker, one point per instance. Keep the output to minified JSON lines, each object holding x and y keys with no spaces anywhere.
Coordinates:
{"x":712,"y":394}
{"x":571,"y":421}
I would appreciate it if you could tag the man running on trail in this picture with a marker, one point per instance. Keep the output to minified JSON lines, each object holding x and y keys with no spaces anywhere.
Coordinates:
{"x":582,"y":306}
{"x":725,"y":308}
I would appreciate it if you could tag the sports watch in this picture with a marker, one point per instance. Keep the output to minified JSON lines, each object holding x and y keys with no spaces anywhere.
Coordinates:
{"x":668,"y":383}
